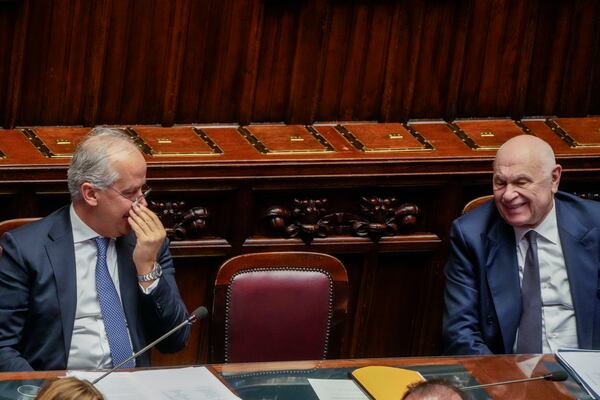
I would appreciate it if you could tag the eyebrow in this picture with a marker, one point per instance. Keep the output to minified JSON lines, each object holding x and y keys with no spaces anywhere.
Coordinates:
{"x":523,"y":176}
{"x":515,"y":178}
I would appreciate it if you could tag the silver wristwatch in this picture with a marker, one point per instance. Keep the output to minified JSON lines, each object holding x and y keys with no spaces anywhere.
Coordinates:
{"x":152,"y":275}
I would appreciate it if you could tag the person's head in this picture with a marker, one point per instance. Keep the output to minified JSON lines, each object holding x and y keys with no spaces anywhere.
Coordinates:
{"x":433,"y":389}
{"x":106,"y":175}
{"x":69,"y":389}
{"x":526,"y":177}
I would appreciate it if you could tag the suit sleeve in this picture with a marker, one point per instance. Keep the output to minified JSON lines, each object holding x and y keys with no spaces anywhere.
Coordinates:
{"x":461,"y":324}
{"x":14,"y":295}
{"x":163,"y":308}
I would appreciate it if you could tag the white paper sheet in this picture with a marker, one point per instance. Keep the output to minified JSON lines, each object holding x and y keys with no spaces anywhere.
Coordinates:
{"x":160,"y":384}
{"x":584,"y":366}
{"x":337,"y":389}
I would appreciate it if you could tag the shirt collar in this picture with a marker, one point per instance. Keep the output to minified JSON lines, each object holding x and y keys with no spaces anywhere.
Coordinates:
{"x":548,"y":228}
{"x":81,"y":232}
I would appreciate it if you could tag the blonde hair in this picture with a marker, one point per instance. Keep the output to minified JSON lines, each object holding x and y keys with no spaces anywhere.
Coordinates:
{"x":69,"y":389}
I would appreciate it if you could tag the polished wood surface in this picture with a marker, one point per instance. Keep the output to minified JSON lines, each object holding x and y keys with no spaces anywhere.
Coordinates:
{"x":275,"y":150}
{"x":10,"y":376}
{"x":486,"y":369}
{"x":156,"y":62}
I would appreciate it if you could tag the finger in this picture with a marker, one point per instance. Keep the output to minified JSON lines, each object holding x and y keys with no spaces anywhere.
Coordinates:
{"x":142,"y":224}
{"x":149,"y":217}
{"x":134,"y":222}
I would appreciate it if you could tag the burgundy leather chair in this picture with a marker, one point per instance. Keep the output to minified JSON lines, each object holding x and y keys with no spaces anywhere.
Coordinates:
{"x":279,"y":306}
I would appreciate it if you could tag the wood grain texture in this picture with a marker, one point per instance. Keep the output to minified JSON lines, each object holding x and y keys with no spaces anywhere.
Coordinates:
{"x":396,"y":282}
{"x":64,"y":62}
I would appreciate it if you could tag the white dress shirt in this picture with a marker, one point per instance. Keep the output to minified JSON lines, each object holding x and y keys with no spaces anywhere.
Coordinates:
{"x":559,"y":328}
{"x":89,"y":343}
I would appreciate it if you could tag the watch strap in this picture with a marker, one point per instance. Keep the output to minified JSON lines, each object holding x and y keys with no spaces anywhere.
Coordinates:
{"x":152,"y":275}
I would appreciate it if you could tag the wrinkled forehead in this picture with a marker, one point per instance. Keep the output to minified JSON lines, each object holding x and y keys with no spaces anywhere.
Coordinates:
{"x":517,"y":169}
{"x":513,"y":160}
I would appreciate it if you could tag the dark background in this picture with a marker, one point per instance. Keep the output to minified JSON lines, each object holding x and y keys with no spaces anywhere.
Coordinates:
{"x":68,"y":62}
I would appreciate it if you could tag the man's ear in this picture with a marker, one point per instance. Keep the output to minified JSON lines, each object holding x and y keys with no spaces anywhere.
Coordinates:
{"x":556,"y":177}
{"x":89,"y":193}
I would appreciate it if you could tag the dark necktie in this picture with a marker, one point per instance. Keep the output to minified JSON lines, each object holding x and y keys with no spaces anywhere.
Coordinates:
{"x":530,"y":327}
{"x":115,"y":323}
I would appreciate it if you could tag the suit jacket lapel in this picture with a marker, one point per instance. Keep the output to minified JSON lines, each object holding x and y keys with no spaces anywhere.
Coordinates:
{"x":61,"y":254}
{"x":503,"y":279}
{"x":580,"y":246}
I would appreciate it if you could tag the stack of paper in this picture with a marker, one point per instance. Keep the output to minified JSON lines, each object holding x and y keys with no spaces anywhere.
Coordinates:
{"x":583,"y":365}
{"x":176,"y":383}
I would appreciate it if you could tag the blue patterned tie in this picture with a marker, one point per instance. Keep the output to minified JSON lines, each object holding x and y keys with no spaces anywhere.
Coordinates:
{"x":530,"y":327}
{"x":115,"y":323}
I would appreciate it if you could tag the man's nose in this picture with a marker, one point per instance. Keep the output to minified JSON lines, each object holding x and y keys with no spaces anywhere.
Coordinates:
{"x":142,"y":201}
{"x":510,"y":193}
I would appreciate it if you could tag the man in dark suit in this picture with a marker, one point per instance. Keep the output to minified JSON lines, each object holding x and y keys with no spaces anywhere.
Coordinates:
{"x":509,"y":290}
{"x":93,"y":282}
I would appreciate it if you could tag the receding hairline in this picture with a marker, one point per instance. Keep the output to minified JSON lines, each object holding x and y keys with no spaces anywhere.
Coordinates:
{"x":115,"y":147}
{"x":535,"y":148}
{"x":121,"y":142}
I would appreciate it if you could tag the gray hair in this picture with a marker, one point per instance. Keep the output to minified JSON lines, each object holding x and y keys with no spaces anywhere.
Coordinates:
{"x":92,"y":160}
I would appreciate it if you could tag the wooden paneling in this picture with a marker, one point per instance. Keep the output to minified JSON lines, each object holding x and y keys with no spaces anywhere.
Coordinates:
{"x":396,"y":281}
{"x":66,"y":62}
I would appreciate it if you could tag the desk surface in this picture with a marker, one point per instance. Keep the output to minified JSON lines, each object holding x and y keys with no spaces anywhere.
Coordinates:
{"x":484,"y":369}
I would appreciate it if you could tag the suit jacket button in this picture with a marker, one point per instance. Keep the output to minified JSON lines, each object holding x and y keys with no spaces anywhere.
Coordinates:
{"x":490,"y":320}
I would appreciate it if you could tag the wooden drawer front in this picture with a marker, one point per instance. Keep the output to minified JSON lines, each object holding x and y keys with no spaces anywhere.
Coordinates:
{"x":485,"y":134}
{"x":577,"y":132}
{"x":55,"y":142}
{"x":175,"y":142}
{"x":280,"y":139}
{"x":384,"y":137}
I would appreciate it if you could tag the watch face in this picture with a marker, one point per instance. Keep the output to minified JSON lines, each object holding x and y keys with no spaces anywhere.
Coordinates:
{"x":157,"y":270}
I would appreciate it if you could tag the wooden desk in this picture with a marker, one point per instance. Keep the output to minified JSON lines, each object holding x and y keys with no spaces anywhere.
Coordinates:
{"x":485,"y":369}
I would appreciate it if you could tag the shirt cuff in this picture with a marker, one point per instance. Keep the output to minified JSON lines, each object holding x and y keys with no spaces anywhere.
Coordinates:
{"x":150,"y":288}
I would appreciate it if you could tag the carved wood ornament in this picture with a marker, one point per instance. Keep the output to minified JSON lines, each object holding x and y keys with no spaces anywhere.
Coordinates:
{"x":180,"y":224}
{"x":308,"y":219}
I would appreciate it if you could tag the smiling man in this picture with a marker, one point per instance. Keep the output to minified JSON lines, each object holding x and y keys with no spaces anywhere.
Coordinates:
{"x":93,"y":282}
{"x":523,"y":272}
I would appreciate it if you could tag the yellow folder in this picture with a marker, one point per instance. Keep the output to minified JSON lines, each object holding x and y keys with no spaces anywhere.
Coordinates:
{"x":385,"y":383}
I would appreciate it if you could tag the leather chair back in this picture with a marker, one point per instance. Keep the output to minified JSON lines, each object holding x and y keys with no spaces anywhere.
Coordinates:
{"x":279,"y":306}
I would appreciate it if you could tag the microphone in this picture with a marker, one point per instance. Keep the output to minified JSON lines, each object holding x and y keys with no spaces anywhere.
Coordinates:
{"x":198,"y":313}
{"x":556,"y":376}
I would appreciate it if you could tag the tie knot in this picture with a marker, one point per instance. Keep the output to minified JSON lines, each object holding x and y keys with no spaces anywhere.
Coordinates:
{"x":102,"y":244}
{"x":531,"y":236}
